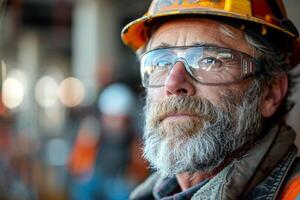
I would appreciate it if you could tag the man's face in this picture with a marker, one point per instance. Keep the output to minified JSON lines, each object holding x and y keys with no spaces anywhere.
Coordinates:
{"x":192,"y":127}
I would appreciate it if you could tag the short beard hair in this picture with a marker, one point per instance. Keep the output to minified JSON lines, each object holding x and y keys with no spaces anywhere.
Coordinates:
{"x":203,"y":143}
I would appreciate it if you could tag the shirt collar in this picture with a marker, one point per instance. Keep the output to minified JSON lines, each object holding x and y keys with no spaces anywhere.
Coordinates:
{"x":169,"y":189}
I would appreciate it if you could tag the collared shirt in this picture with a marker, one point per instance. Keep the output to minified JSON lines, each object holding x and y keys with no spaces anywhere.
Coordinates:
{"x":169,"y":189}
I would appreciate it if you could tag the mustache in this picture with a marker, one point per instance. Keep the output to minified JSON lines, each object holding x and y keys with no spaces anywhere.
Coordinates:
{"x":188,"y":105}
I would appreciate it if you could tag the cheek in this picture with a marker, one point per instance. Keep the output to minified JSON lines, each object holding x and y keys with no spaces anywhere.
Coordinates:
{"x":210,"y":93}
{"x":156,"y":94}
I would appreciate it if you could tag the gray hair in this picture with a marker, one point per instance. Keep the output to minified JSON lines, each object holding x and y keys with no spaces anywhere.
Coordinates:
{"x":273,"y":62}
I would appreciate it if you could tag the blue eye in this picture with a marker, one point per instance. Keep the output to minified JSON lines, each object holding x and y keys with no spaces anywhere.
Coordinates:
{"x":209,"y":64}
{"x":209,"y":61}
{"x":163,"y":64}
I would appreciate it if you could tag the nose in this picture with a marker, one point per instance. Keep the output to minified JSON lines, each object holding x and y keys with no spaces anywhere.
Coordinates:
{"x":179,"y":81}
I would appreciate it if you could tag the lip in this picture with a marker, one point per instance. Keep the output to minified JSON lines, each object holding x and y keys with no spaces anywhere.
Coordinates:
{"x":177,"y":117}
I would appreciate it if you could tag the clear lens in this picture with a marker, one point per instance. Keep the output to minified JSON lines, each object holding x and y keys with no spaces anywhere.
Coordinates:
{"x":206,"y":64}
{"x":155,"y":66}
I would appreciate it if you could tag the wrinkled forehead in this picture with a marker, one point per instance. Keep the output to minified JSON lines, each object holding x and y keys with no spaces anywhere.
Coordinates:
{"x":191,"y":31}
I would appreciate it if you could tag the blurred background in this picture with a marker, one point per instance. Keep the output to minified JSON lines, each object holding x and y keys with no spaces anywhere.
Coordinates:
{"x":63,"y":66}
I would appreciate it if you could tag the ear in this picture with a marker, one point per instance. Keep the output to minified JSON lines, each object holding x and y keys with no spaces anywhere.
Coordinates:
{"x":274,"y":95}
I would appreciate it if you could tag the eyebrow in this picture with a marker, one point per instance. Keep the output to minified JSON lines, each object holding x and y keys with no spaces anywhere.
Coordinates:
{"x":163,"y":45}
{"x":205,"y":44}
{"x":166,"y":45}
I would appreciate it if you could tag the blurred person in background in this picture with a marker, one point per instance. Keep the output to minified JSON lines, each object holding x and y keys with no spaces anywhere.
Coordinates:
{"x":106,"y":159}
{"x":83,"y":159}
{"x":218,"y":78}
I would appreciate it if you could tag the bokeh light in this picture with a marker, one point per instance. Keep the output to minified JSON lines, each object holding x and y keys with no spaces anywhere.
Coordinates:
{"x":46,"y":92}
{"x":71,"y":92}
{"x":13,"y":93}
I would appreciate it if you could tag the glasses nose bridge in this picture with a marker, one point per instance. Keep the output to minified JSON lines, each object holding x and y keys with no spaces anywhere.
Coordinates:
{"x":184,"y":62}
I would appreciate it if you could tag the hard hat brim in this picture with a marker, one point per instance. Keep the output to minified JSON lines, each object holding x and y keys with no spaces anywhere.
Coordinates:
{"x":135,"y":36}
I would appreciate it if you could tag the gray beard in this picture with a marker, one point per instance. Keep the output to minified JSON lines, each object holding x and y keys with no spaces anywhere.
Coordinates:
{"x":200,"y":144}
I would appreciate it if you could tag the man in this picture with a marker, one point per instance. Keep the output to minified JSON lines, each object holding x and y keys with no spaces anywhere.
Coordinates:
{"x":218,"y":78}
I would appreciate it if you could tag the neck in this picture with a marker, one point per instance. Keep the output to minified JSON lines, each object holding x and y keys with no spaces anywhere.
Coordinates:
{"x":187,"y":180}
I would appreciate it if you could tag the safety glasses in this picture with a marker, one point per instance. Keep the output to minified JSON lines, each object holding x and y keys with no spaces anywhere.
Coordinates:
{"x":208,"y":65}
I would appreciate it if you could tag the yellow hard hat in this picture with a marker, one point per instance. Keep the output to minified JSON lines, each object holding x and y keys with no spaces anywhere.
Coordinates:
{"x":266,"y":18}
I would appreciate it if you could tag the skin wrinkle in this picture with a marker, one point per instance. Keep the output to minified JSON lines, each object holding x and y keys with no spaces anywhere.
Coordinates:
{"x":194,"y":147}
{"x":226,"y":30}
{"x":229,"y":41}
